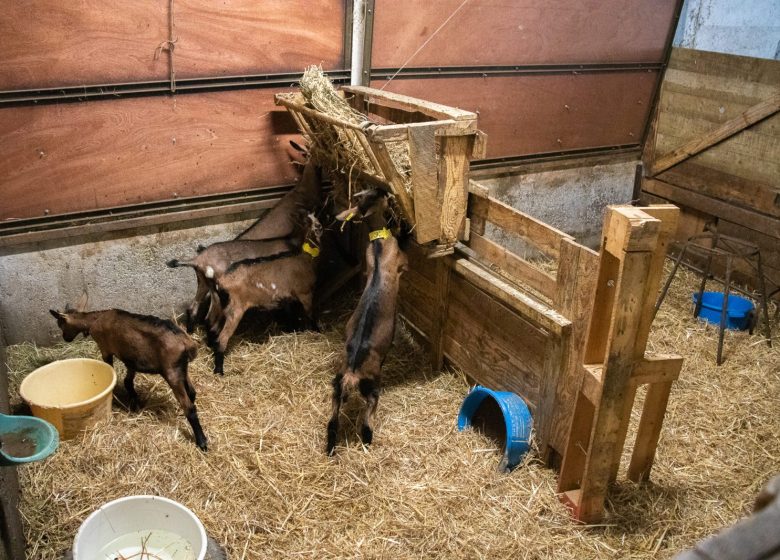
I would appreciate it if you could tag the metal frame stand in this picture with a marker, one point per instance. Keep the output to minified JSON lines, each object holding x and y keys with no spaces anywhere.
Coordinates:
{"x":727,"y":248}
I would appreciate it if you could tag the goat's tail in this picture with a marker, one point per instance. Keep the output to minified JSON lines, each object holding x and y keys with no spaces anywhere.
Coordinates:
{"x":349,"y":381}
{"x":176,"y":263}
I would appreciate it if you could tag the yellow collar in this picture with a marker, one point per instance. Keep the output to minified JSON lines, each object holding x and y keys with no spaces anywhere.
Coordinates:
{"x":311,"y":249}
{"x":383,"y":233}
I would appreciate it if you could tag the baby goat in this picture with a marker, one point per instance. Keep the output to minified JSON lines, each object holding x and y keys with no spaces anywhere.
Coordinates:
{"x":282,"y":281}
{"x":277,"y":224}
{"x":370,"y":328}
{"x":145,"y":344}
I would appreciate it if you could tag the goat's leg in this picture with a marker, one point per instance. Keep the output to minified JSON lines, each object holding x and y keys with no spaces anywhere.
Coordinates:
{"x":333,"y":424}
{"x":191,"y":393}
{"x":233,"y":317}
{"x":176,"y":379}
{"x":135,"y":402}
{"x":108,"y":358}
{"x":197,"y":309}
{"x":307,"y":301}
{"x":369,"y":390}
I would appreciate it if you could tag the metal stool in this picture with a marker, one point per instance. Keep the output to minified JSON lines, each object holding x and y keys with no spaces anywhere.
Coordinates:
{"x":727,"y":248}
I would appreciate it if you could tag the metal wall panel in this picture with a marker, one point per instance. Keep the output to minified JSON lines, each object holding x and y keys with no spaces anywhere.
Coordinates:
{"x":84,"y":156}
{"x":545,"y":113}
{"x":520,"y":32}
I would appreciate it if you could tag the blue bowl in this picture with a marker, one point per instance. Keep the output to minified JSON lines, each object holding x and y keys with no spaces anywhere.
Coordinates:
{"x":738,"y":311}
{"x":39,"y":437}
{"x":513,"y":417}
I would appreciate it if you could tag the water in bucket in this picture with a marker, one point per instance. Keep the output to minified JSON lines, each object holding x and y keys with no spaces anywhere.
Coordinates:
{"x":148,"y":545}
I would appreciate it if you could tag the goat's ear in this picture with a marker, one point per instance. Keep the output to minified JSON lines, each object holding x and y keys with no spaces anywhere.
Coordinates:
{"x":81,"y":306}
{"x":347,"y":214}
{"x":57,"y":315}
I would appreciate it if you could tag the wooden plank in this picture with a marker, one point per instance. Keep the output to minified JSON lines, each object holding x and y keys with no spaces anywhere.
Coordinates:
{"x":556,"y":354}
{"x":576,"y":287}
{"x":756,"y":113}
{"x":442,"y":287}
{"x":656,"y":368}
{"x":755,"y":195}
{"x":649,"y":431}
{"x":505,"y":263}
{"x":67,"y":158}
{"x":547,"y":318}
{"x":453,"y":170}
{"x":745,"y":68}
{"x":576,"y":451}
{"x":749,"y":219}
{"x":604,"y":109}
{"x":618,"y":365}
{"x":411,"y":104}
{"x":628,"y":228}
{"x":545,"y":237}
{"x":400,"y":132}
{"x":613,"y":31}
{"x":425,"y":184}
{"x":390,"y":171}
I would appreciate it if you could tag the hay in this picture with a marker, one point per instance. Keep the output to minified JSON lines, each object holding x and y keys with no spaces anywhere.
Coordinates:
{"x":266,"y":490}
{"x":340,"y":148}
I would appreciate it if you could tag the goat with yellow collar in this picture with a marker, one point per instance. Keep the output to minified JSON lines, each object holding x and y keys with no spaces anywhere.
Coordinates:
{"x":371,"y":327}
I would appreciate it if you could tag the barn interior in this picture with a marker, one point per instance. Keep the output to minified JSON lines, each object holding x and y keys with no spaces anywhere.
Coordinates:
{"x":562,"y":157}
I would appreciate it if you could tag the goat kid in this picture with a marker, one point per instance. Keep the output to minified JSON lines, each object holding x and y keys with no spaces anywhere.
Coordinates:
{"x":282,"y":281}
{"x":145,"y":344}
{"x":370,"y":329}
{"x":276,"y":224}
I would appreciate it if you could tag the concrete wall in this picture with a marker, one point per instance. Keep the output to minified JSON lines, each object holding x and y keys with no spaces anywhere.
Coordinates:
{"x":122,"y":269}
{"x":572,"y":200}
{"x":747,"y":28}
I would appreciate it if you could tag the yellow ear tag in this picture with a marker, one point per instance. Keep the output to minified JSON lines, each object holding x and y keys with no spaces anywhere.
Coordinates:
{"x":348,"y":218}
{"x":310,"y":249}
{"x":383,"y":233}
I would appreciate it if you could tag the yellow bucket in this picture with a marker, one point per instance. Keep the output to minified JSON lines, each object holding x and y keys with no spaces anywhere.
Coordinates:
{"x":73,"y":395}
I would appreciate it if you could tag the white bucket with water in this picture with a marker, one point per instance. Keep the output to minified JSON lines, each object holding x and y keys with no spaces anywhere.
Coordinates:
{"x":142,"y":528}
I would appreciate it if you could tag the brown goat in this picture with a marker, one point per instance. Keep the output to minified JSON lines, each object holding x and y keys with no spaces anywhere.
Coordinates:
{"x":282,"y":281}
{"x":276,"y":224}
{"x":145,"y":344}
{"x":371,"y":327}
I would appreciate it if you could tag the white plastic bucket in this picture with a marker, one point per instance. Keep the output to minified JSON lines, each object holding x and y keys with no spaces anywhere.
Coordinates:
{"x":158,"y":527}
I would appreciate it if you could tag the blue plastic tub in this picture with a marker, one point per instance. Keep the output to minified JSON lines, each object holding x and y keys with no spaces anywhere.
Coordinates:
{"x":512,"y":418}
{"x":738,"y":311}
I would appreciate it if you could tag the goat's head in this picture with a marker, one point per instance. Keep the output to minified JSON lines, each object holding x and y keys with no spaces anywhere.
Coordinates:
{"x":365,"y":203}
{"x":66,"y":319}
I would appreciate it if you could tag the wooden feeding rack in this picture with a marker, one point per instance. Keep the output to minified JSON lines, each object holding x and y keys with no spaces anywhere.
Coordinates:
{"x":432,"y":194}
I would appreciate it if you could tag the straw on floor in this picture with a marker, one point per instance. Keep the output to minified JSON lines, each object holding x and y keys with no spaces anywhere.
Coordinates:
{"x":266,"y":489}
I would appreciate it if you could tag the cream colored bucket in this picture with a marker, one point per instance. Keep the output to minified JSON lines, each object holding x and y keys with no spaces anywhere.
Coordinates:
{"x":73,"y":395}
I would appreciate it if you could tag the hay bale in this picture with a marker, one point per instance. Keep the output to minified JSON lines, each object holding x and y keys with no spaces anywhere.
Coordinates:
{"x":331,"y":144}
{"x":266,"y":489}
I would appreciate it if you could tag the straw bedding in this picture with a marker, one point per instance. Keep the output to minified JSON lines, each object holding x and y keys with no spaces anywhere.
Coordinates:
{"x":266,"y":489}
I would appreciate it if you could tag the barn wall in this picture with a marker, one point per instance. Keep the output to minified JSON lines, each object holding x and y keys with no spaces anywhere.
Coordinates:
{"x":736,"y":183}
{"x":123,"y":269}
{"x":60,"y":158}
{"x":715,"y":25}
{"x":572,"y":200}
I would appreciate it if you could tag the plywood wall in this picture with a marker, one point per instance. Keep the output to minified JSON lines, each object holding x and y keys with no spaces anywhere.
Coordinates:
{"x":735,"y":183}
{"x":63,"y":158}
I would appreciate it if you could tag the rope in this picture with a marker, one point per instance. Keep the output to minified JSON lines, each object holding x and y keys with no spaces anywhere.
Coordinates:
{"x":169,"y":46}
{"x":428,"y":40}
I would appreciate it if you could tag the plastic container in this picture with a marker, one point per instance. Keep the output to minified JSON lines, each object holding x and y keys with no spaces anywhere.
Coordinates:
{"x":73,"y":395}
{"x":738,"y":311}
{"x":504,"y":416}
{"x":161,"y":528}
{"x":26,"y":439}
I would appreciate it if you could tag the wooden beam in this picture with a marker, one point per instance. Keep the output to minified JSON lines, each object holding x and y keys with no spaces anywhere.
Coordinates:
{"x":505,"y":263}
{"x":543,"y":236}
{"x":714,"y":207}
{"x":532,"y":310}
{"x":406,"y":103}
{"x":753,"y":115}
{"x":425,"y":184}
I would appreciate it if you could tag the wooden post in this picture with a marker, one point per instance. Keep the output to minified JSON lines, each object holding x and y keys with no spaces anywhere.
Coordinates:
{"x":443,"y":273}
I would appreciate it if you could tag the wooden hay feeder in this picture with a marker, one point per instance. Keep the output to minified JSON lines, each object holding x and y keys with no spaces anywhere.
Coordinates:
{"x":432,"y":195}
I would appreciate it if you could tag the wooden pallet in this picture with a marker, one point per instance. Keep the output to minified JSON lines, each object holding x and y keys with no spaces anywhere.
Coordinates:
{"x":441,"y":142}
{"x":616,"y":363}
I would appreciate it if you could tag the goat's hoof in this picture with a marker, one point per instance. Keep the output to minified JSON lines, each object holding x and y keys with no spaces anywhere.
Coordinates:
{"x":203,"y":445}
{"x":135,"y":406}
{"x":367,"y":435}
